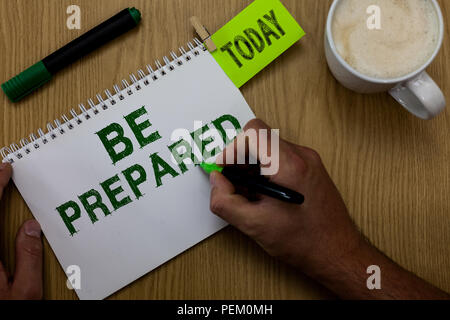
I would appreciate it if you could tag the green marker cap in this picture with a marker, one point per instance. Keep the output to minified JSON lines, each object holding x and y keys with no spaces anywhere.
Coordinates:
{"x":135,"y":14}
{"x":26,"y":82}
{"x":210,"y":167}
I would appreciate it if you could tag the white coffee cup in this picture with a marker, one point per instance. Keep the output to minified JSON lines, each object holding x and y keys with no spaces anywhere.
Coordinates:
{"x":417,"y":92}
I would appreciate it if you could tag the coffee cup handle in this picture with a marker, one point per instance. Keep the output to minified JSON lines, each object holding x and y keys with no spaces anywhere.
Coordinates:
{"x":421,"y":96}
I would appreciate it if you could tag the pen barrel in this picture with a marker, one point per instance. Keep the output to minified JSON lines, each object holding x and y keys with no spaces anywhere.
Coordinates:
{"x":262,"y":185}
{"x":40,"y":73}
{"x":110,"y":29}
{"x":275,"y":191}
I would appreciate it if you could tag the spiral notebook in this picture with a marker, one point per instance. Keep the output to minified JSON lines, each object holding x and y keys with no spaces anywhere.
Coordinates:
{"x":115,"y":186}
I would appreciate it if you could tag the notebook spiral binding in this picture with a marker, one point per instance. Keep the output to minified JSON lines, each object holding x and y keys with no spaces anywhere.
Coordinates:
{"x":61,"y":126}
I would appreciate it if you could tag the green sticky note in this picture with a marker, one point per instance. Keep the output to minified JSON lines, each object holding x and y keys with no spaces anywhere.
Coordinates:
{"x":254,"y":38}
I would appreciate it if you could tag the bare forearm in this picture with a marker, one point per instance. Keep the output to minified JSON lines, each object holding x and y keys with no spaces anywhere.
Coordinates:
{"x":348,"y":276}
{"x":318,"y":237}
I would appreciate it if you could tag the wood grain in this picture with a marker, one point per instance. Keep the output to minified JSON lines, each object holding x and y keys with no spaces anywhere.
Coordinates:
{"x":393,"y":170}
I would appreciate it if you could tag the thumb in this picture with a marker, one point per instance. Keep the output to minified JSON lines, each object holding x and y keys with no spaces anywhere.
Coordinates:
{"x":28,"y":275}
{"x":5,"y":175}
{"x":233,"y":208}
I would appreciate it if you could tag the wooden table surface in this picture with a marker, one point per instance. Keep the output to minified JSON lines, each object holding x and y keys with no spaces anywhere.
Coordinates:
{"x":392,"y":169}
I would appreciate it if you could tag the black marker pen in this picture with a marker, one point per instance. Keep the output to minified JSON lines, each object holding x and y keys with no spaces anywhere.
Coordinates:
{"x":258,"y":184}
{"x":41,"y":72}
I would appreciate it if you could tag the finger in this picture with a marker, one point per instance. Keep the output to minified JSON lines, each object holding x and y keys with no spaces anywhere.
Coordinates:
{"x":262,"y":147}
{"x":3,"y":278}
{"x":243,"y":144}
{"x":5,"y":175}
{"x":233,"y":208}
{"x":256,"y":140}
{"x":28,"y":275}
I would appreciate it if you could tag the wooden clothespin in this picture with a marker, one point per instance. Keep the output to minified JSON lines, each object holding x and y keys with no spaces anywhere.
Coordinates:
{"x":203,"y":34}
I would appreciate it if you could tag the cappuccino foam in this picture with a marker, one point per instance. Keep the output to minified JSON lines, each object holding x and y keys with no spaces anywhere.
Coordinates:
{"x":408,"y":36}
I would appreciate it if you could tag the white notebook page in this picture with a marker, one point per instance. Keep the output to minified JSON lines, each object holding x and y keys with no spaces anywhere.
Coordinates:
{"x":138,"y":237}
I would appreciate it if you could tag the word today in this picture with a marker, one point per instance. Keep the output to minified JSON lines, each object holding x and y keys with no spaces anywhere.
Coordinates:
{"x":253,"y":41}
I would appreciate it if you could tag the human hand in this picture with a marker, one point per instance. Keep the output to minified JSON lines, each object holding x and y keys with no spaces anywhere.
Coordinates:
{"x":312,"y":236}
{"x":317,"y":237}
{"x":27,"y":281}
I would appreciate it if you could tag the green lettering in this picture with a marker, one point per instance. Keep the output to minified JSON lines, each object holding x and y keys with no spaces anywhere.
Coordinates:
{"x":68,"y":220}
{"x":109,"y":144}
{"x":218,"y":124}
{"x":227,"y":48}
{"x":157,"y":163}
{"x":272,"y":19}
{"x":203,"y":143}
{"x":137,"y":128}
{"x":135,"y":182}
{"x":246,"y":55}
{"x":267,"y":32}
{"x":180,"y":157}
{"x":255,"y":38}
{"x":113,"y":193}
{"x":97,"y":204}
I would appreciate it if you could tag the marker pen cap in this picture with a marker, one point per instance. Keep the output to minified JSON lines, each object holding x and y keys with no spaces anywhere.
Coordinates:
{"x":40,"y":73}
{"x":135,"y":14}
{"x":26,"y":81}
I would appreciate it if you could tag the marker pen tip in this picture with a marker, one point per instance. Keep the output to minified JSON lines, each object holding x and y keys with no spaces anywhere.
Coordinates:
{"x":210,"y":167}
